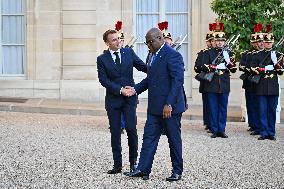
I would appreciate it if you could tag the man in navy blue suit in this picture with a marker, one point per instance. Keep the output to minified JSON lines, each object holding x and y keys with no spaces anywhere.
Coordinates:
{"x":166,"y":103}
{"x":115,"y":72}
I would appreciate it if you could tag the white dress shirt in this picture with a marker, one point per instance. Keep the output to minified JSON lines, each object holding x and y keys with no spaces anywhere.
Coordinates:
{"x":113,"y":55}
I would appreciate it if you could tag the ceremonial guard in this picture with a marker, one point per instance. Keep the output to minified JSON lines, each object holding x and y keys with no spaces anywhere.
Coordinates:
{"x":256,"y":40}
{"x":218,"y":63}
{"x":163,"y":26}
{"x":267,"y":65}
{"x":198,"y":69}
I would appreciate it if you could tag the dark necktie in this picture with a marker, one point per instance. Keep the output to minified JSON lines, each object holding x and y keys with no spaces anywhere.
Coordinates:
{"x":117,"y":59}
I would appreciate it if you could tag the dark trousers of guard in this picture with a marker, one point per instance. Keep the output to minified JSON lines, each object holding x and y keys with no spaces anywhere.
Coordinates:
{"x":205,"y":109}
{"x":114,"y":116}
{"x":252,"y":107}
{"x":267,"y":105}
{"x":217,"y":103}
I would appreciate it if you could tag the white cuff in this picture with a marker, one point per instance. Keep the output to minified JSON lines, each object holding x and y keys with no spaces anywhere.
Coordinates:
{"x":269,"y":68}
{"x":221,"y":66}
{"x":273,"y":57}
{"x":226,"y":56}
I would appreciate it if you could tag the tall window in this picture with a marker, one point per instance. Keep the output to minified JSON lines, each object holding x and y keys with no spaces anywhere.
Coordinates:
{"x":150,"y":12}
{"x":12,"y":37}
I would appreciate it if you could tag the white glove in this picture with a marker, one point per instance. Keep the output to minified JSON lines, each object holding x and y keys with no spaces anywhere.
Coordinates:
{"x":273,"y":57}
{"x":221,"y":66}
{"x":269,"y":68}
{"x":226,"y":56}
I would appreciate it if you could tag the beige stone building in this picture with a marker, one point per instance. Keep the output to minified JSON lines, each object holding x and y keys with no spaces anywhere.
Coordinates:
{"x":49,"y":47}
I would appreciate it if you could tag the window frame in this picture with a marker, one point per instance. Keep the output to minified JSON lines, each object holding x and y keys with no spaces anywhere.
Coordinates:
{"x":162,"y":17}
{"x":24,"y":44}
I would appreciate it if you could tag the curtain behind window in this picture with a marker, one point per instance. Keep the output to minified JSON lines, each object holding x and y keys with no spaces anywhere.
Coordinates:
{"x":147,"y":17}
{"x":177,"y":16}
{"x":12,"y":37}
{"x":149,"y":13}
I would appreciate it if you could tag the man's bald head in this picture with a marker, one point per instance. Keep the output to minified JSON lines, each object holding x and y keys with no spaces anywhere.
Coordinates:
{"x":155,"y":32}
{"x":154,"y":39}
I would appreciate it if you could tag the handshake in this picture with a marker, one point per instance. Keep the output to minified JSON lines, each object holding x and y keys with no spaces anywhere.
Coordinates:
{"x":128,"y":91}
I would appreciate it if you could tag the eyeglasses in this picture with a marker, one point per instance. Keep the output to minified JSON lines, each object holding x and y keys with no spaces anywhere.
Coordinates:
{"x":151,"y":41}
{"x":148,"y":42}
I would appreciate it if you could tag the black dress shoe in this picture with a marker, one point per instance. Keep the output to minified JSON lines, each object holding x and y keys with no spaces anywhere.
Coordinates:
{"x":223,"y":135}
{"x":261,"y":138}
{"x":138,"y":173}
{"x":214,"y":136}
{"x":115,"y":170}
{"x":254,"y":133}
{"x":173,"y":177}
{"x":271,"y":138}
{"x":132,"y":168}
{"x":206,"y":127}
{"x":145,"y":177}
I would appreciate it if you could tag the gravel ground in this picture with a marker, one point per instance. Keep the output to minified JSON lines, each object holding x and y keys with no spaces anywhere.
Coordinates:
{"x":63,"y":151}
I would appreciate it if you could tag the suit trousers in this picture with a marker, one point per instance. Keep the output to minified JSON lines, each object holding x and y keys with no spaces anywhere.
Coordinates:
{"x":267,"y":105}
{"x":218,"y":103}
{"x":122,"y":121}
{"x":152,"y":132}
{"x":114,"y":116}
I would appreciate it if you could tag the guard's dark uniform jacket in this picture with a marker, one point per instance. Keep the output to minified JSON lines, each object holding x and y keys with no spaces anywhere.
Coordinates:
{"x":198,"y":67}
{"x":221,"y":79}
{"x":268,"y":83}
{"x":244,"y":66}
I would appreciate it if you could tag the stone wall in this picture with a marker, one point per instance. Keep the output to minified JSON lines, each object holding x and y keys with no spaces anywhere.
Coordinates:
{"x":64,"y":37}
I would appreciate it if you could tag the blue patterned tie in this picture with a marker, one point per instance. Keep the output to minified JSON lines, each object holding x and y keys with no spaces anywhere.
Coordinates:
{"x":153,"y":59}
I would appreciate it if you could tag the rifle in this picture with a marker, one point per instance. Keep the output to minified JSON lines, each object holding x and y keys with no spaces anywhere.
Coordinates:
{"x":180,"y":43}
{"x":227,"y":46}
{"x":127,"y":45}
{"x":256,"y":78}
{"x":275,"y":47}
{"x":279,"y":59}
{"x":131,"y":43}
{"x":175,"y":42}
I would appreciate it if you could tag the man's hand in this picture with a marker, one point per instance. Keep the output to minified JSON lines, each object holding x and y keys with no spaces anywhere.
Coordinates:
{"x":232,"y":67}
{"x":167,"y":111}
{"x":128,"y":91}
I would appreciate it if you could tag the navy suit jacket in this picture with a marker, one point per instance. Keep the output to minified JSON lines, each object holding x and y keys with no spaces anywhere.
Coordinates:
{"x":164,"y":82}
{"x":113,"y":78}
